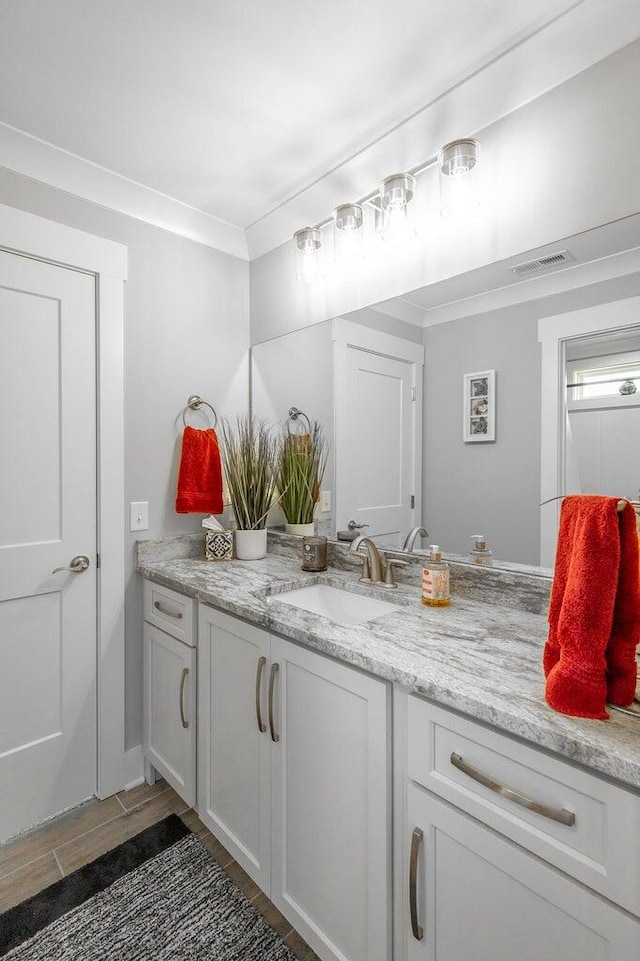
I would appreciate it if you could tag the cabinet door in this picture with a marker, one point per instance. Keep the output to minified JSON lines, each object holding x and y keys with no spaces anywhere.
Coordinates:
{"x":170,"y":710}
{"x":233,"y":758}
{"x":480,"y":896}
{"x":331,"y":807}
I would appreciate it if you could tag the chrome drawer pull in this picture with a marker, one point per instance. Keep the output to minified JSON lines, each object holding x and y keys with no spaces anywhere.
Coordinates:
{"x":165,"y":610}
{"x":262,"y":727}
{"x":555,"y":814}
{"x":416,"y":839}
{"x":185,"y":675}
{"x":272,"y":680}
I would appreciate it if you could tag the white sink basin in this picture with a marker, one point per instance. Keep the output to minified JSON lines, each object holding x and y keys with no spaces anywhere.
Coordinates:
{"x":341,"y":606}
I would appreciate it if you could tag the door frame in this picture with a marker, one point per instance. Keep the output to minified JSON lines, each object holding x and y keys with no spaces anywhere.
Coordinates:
{"x":40,"y":239}
{"x":347,"y":334}
{"x":553,"y":333}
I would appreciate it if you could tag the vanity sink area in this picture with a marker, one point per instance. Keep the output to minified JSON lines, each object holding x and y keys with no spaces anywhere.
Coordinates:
{"x":338,"y":605}
{"x":272,"y":694}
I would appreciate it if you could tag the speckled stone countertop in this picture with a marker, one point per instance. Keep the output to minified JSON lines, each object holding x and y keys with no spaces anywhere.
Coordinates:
{"x":481,"y":659}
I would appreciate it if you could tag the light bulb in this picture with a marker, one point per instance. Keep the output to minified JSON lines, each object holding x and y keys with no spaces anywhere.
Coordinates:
{"x":348,"y":233}
{"x":396,"y":193}
{"x":459,"y":193}
{"x":308,"y":242}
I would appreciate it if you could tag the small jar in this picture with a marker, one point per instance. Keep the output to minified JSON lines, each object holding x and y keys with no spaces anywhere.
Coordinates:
{"x":314,"y":553}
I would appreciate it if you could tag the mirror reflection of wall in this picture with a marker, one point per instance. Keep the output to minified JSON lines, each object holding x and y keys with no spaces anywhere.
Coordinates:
{"x":296,"y":370}
{"x":469,"y":324}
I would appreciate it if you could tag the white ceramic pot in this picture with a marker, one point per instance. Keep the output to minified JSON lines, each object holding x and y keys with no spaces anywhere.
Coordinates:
{"x":303,"y":530}
{"x":251,"y":545}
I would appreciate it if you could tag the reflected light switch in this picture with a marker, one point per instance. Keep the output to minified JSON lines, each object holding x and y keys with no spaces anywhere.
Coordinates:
{"x":325,"y":500}
{"x":139,"y":516}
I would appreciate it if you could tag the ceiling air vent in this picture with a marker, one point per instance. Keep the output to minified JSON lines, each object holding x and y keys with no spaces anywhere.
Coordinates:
{"x":543,"y":263}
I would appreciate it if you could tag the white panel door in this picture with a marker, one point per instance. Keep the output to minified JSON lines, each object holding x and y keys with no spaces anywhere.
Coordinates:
{"x":331,"y":810}
{"x":170,"y":710}
{"x":233,"y":740}
{"x":479,"y":896}
{"x":376,"y":461}
{"x":47,"y":517}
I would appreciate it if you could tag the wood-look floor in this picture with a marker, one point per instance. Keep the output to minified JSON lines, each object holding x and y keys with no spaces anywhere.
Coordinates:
{"x":46,"y":854}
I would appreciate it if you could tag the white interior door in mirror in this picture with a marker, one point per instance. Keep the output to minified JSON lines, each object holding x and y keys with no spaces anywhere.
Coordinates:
{"x":47,"y":517}
{"x":378,"y":427}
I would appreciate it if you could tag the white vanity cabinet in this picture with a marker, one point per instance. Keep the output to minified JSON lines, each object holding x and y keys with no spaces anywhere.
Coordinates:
{"x":295,"y":779}
{"x":508,"y":852}
{"x":169,"y":715}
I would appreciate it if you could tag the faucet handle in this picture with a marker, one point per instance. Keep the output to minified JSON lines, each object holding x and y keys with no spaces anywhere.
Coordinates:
{"x":366,"y":572}
{"x":391,"y":563}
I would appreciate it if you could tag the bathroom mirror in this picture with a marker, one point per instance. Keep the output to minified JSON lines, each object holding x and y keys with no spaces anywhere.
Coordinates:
{"x":487,"y":320}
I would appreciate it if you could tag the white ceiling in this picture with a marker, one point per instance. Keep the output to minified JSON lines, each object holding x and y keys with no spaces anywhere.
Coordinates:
{"x":234,"y":106}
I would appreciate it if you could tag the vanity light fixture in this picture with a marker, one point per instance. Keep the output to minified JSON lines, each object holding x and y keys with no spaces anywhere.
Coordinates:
{"x":308,"y":243}
{"x":348,"y":232}
{"x":457,"y":162}
{"x":396,"y":193}
{"x":458,"y":178}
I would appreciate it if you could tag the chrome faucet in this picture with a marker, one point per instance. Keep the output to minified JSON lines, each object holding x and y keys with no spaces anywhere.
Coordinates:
{"x":372,"y":570}
{"x":412,"y":537}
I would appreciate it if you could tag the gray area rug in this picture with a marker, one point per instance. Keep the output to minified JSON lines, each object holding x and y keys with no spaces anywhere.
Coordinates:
{"x":179,"y":904}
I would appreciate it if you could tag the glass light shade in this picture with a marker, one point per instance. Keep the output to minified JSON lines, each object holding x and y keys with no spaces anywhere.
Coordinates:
{"x":308,"y":242}
{"x":459,"y":182}
{"x":396,"y":193}
{"x":348,"y":233}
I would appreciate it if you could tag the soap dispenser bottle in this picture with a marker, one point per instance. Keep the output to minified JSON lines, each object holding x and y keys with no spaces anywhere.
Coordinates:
{"x":435,"y":580}
{"x":479,"y":553}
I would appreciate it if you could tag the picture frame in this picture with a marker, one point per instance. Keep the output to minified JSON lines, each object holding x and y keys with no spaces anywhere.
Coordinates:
{"x":479,"y":407}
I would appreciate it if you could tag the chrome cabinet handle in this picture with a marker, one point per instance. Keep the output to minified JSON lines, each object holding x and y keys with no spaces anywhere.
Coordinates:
{"x":416,"y":839}
{"x":165,"y":610}
{"x":554,"y":814}
{"x":262,"y":727}
{"x":185,"y":675}
{"x":272,"y":680}
{"x":77,"y":564}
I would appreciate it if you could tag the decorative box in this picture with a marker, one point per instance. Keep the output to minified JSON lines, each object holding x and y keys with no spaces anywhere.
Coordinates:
{"x":218,"y":545}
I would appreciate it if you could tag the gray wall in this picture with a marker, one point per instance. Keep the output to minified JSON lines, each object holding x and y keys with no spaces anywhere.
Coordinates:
{"x":487,"y":488}
{"x":186,"y":331}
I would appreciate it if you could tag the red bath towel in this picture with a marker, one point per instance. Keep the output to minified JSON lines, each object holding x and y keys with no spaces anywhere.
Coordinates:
{"x":200,"y":475}
{"x":594,"y":614}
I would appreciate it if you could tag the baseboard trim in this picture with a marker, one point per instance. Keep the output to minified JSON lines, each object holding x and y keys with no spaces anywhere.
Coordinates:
{"x":133,"y":768}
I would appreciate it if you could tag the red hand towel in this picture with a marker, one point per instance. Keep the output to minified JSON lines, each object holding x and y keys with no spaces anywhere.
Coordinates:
{"x":594,"y":614}
{"x":200,"y":475}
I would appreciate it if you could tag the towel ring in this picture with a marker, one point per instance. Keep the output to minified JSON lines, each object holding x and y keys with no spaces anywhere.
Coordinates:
{"x":294,"y":415}
{"x":195,"y":402}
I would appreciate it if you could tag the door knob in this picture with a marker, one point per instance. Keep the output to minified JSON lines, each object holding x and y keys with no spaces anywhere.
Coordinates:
{"x":77,"y":565}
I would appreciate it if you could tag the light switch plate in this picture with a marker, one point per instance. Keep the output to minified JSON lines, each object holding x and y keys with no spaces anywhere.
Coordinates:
{"x":325,"y":500}
{"x":139,"y":516}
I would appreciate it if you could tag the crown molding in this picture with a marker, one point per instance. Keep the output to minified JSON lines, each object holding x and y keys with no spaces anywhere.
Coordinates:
{"x":42,"y":161}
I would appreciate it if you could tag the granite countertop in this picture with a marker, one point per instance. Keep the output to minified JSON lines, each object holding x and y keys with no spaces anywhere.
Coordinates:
{"x":481,"y":659}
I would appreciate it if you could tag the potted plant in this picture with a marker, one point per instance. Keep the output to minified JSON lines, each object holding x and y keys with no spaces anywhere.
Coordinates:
{"x":302,"y":463}
{"x":250,"y":455}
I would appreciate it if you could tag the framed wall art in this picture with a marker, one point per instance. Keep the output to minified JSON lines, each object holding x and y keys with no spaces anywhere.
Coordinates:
{"x":479,"y":407}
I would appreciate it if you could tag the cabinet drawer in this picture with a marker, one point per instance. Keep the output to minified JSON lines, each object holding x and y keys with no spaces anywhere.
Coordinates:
{"x":577,"y":821}
{"x":171,"y":611}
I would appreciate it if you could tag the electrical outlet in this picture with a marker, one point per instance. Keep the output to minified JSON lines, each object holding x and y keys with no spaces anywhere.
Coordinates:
{"x":139,"y":516}
{"x":325,"y":500}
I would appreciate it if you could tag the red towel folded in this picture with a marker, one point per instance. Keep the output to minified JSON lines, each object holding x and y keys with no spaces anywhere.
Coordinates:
{"x":200,"y":475}
{"x":594,"y":614}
